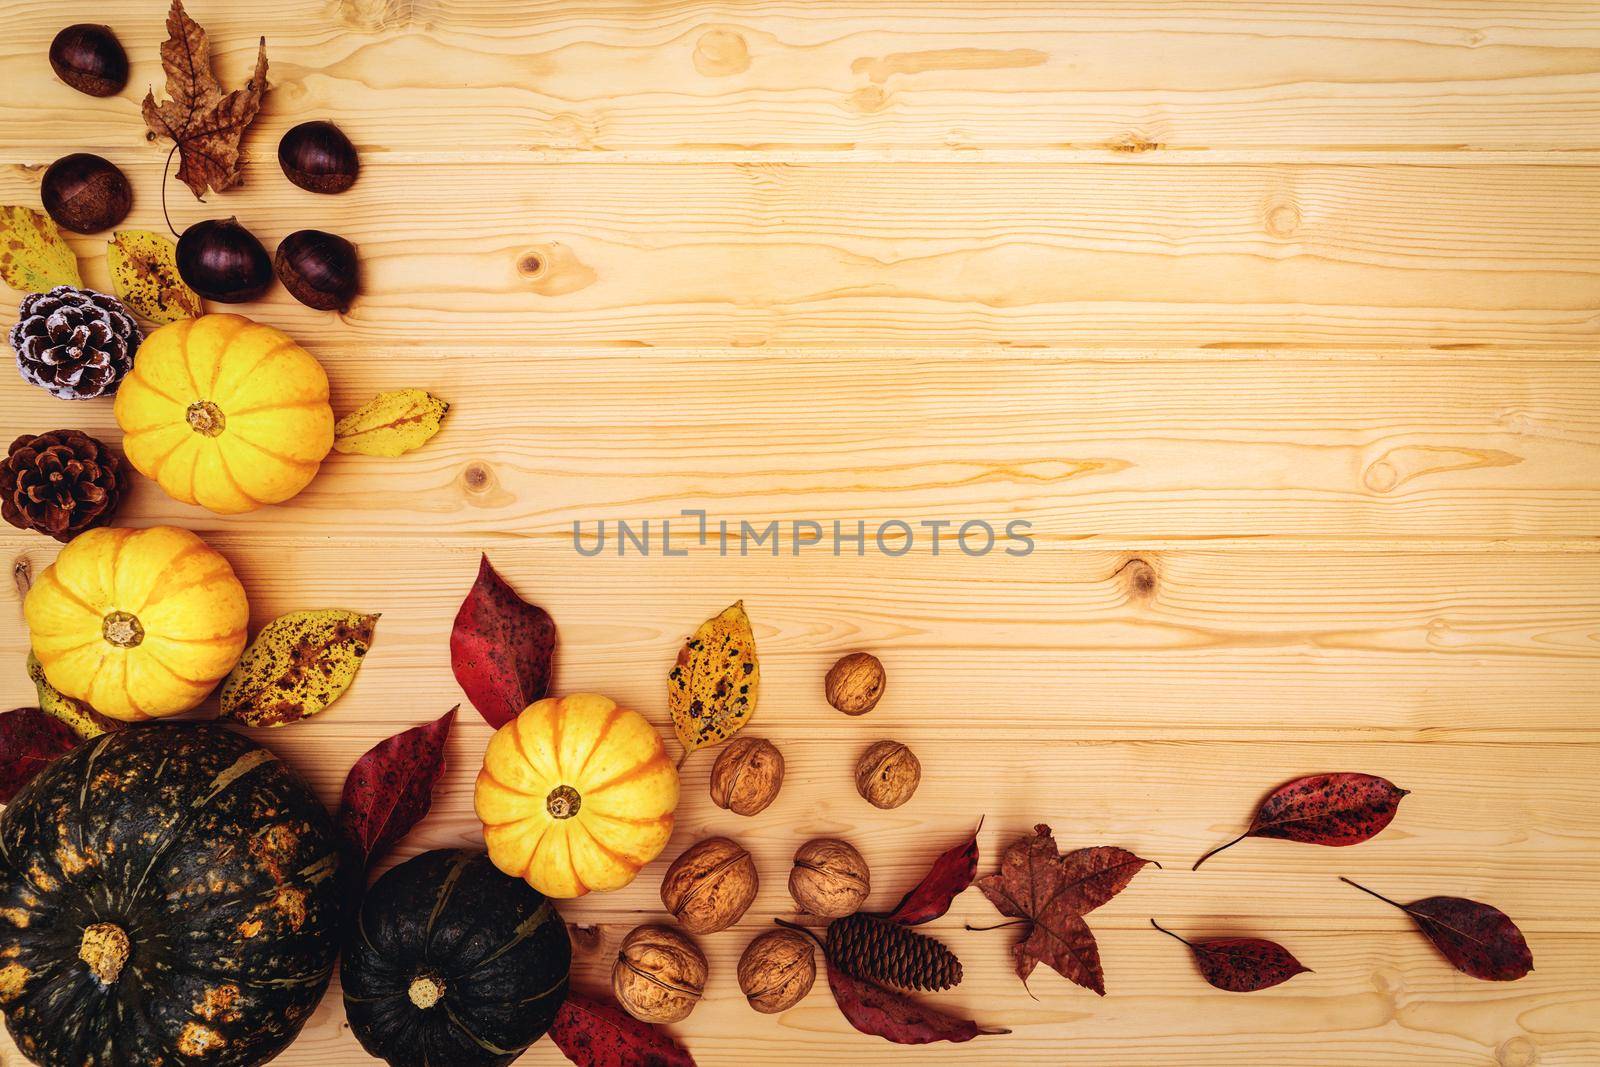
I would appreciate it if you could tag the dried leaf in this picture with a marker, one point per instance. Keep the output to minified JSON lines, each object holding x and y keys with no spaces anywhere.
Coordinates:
{"x":298,"y":664}
{"x":712,"y":689}
{"x":501,"y":648}
{"x":950,"y":875}
{"x":206,"y":125}
{"x":144,"y":275}
{"x":1051,"y":893}
{"x":1478,"y":939}
{"x":895,"y":1017}
{"x":390,"y":789}
{"x":34,"y":257}
{"x":596,"y":1033}
{"x":79,"y":717}
{"x":1344,"y":808}
{"x":390,"y":424}
{"x":29,"y":740}
{"x":1241,"y":964}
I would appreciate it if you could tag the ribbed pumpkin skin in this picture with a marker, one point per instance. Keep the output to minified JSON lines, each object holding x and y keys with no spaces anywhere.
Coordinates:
{"x":276,"y":425}
{"x":497,"y":949}
{"x":216,"y":862}
{"x":615,"y":763}
{"x":184,"y":596}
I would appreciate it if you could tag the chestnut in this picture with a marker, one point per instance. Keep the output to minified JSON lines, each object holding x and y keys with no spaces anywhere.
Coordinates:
{"x":85,"y":193}
{"x":90,"y":59}
{"x":223,"y":261}
{"x":321,"y":270}
{"x":318,"y":157}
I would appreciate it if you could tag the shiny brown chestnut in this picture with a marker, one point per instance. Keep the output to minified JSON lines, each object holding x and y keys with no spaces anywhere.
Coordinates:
{"x":321,"y":270}
{"x":85,"y":193}
{"x":318,"y":157}
{"x":90,"y":59}
{"x":223,"y":261}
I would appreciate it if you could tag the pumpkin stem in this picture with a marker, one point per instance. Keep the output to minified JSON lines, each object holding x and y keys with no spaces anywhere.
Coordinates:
{"x":105,"y":949}
{"x":563,"y":802}
{"x":123,"y":629}
{"x":206,"y":418}
{"x":426,"y":991}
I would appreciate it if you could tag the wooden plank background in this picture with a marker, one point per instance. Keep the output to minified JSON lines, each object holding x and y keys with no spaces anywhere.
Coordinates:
{"x":1277,"y":322}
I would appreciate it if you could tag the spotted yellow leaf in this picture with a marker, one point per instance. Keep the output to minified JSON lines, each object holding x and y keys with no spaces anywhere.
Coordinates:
{"x":34,"y":257}
{"x":78,"y":716}
{"x":298,"y":664}
{"x":144,"y":274}
{"x":390,"y":424}
{"x":712,"y":689}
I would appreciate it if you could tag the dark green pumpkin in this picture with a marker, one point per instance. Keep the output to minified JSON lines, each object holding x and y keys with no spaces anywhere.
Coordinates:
{"x":453,"y":963}
{"x":170,"y":895}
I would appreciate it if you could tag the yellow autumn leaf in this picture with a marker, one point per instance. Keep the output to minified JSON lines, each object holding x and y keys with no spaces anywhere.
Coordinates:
{"x":144,"y":274}
{"x":712,"y":689}
{"x":80,"y":718}
{"x":298,"y":664}
{"x":34,"y":257}
{"x":390,"y":424}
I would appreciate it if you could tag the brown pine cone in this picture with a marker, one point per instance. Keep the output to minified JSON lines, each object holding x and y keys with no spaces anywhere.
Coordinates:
{"x":75,"y":343}
{"x":882,"y":951}
{"x":60,"y":483}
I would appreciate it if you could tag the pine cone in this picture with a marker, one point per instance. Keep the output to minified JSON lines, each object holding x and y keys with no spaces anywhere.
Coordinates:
{"x":60,"y":483}
{"x":877,"y":950}
{"x":76,"y":343}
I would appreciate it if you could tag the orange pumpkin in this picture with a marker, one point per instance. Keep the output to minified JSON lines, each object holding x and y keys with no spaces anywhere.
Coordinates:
{"x":225,"y":413}
{"x":576,"y":794}
{"x":139,"y":624}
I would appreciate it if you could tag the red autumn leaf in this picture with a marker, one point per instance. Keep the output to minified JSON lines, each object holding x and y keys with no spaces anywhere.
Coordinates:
{"x":595,"y":1033}
{"x":501,"y":647}
{"x":884,"y":1013}
{"x":390,"y":789}
{"x":1338,"y":809}
{"x":950,"y":875}
{"x":1477,"y":939}
{"x":29,"y":740}
{"x":1241,"y":964}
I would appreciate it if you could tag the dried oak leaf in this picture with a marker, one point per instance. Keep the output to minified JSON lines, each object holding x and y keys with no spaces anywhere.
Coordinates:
{"x":205,"y":124}
{"x":34,"y":257}
{"x":29,"y":740}
{"x":1241,"y":964}
{"x":390,"y":789}
{"x":298,"y":664}
{"x":390,"y":424}
{"x":1343,"y":808}
{"x":712,"y":689}
{"x":501,"y":648}
{"x":144,"y":275}
{"x":1478,"y":939}
{"x":598,"y":1033}
{"x":1052,"y":892}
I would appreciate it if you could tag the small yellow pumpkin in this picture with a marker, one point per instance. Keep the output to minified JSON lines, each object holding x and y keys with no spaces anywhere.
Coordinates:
{"x":225,"y":413}
{"x":576,"y":794}
{"x":137,"y":623}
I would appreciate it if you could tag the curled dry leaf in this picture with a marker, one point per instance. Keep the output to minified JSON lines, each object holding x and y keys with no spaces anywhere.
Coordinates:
{"x":298,"y":664}
{"x":390,"y":424}
{"x":501,"y":648}
{"x":1478,"y":939}
{"x":712,"y":689}
{"x":881,"y":1012}
{"x":34,"y":257}
{"x":144,"y":275}
{"x":598,"y":1033}
{"x":29,"y":740}
{"x":949,"y":876}
{"x":1344,"y":808}
{"x":1241,"y":964}
{"x":390,"y":789}
{"x":79,"y":717}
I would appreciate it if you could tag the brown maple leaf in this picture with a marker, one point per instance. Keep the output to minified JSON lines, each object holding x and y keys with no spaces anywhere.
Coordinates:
{"x":1051,"y":893}
{"x":205,"y":125}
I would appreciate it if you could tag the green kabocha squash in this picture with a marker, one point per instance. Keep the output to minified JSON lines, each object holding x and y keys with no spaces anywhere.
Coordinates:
{"x":453,"y":963}
{"x":170,"y":895}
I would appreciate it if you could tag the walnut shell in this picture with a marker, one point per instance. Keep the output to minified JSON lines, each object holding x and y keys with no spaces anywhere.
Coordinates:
{"x":777,"y":970}
{"x":659,"y":974}
{"x":709,"y":887}
{"x":747,"y":775}
{"x":887,"y":774}
{"x":829,"y":878}
{"x":855,"y":683}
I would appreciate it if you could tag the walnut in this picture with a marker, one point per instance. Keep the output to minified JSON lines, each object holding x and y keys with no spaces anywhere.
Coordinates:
{"x":855,"y":683}
{"x":709,"y":887}
{"x":887,"y":774}
{"x":777,"y":970}
{"x":659,"y":974}
{"x":747,"y":775}
{"x":829,"y":878}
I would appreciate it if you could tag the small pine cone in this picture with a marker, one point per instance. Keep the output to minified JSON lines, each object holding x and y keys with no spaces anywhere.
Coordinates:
{"x":75,"y":343}
{"x":885,"y":952}
{"x":60,"y":483}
